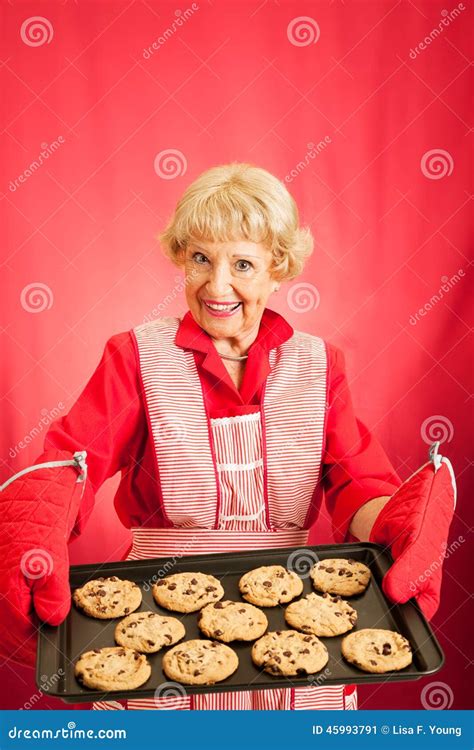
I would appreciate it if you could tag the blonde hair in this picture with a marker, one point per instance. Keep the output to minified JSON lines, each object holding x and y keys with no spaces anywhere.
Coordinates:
{"x":239,"y":201}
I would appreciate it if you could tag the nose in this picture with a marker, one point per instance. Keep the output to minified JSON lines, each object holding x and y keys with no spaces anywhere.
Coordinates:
{"x":219,"y":281}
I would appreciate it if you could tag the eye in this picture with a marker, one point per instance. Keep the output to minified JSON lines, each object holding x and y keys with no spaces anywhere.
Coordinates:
{"x":247,"y":264}
{"x":197,"y":257}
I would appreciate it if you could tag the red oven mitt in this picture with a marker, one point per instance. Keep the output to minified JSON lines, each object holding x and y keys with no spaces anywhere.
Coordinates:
{"x":38,"y":511}
{"x":415,"y":524}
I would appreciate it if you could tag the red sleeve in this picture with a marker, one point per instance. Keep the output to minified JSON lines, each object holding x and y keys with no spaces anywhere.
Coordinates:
{"x":106,"y":420}
{"x":355,"y":466}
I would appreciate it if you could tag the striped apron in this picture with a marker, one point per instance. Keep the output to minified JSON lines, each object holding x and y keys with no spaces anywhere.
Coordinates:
{"x":233,"y":483}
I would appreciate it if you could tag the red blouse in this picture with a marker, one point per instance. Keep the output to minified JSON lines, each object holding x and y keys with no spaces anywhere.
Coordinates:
{"x":109,"y":421}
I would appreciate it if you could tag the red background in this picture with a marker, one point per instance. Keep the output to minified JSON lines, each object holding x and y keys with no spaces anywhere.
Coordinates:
{"x":229,"y":85}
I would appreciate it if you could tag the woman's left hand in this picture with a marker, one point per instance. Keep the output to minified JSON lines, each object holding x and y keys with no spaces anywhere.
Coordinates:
{"x":415,"y":523}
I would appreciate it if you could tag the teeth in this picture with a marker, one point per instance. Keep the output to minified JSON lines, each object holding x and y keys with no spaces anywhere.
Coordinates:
{"x":222,"y":307}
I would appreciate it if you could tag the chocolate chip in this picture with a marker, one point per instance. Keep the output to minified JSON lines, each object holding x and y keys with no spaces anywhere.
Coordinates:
{"x":218,"y":605}
{"x":338,"y":614}
{"x":101,"y":593}
{"x":194,"y":581}
{"x":121,"y":671}
{"x":307,"y":638}
{"x":280,"y":575}
{"x":127,"y":609}
{"x":123,"y":630}
{"x":304,"y":651}
{"x":242,"y":611}
{"x":210,"y":588}
{"x":115,"y":602}
{"x":113,"y":578}
{"x":342,"y":571}
{"x":286,"y":653}
{"x":301,"y":670}
{"x":267,"y":584}
{"x":349,"y":574}
{"x":372,"y":661}
{"x":386,"y":649}
{"x":218,"y":632}
{"x":132,"y":625}
{"x":151,"y":643}
{"x":171,"y":586}
{"x":196,"y":672}
{"x":152,"y":614}
{"x":329,"y":570}
{"x":96,"y":651}
{"x":284,"y":592}
{"x":167,"y":635}
{"x":161,"y":583}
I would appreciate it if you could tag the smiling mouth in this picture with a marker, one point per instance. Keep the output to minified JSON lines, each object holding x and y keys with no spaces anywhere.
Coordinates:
{"x":223,"y":308}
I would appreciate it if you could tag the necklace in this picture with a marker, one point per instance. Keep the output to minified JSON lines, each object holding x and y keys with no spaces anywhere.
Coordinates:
{"x":236,"y":359}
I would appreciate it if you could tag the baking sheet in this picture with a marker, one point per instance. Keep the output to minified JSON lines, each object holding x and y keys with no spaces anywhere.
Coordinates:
{"x":60,"y":647}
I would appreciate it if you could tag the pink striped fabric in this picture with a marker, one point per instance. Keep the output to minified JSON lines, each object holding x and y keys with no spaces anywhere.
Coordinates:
{"x":289,"y":439}
{"x":238,"y":443}
{"x":293,"y":412}
{"x":215,"y":473}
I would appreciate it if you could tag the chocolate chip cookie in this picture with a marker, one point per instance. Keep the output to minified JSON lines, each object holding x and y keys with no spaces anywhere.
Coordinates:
{"x":148,"y":632}
{"x":374,"y":650}
{"x":340,"y":576}
{"x":187,"y":592}
{"x":270,"y":585}
{"x":286,"y":652}
{"x":106,"y":598}
{"x":199,"y":662}
{"x":232,"y":621}
{"x":324,"y":615}
{"x":112,"y":668}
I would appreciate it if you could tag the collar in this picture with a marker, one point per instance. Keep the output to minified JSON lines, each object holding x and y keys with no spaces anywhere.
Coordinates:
{"x":273,"y":331}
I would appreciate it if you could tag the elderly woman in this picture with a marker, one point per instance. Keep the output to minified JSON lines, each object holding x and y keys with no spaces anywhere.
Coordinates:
{"x":227,"y":426}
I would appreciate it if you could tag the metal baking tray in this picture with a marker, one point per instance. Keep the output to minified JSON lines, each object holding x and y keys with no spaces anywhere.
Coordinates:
{"x":60,"y":647}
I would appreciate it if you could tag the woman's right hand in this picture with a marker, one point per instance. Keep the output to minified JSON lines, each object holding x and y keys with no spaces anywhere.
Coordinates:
{"x":37,"y":514}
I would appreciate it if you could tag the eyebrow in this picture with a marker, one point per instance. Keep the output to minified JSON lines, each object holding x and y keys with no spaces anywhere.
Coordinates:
{"x":235,"y":255}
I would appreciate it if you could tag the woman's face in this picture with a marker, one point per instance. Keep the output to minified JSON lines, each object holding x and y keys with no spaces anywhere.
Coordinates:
{"x":234,"y":274}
